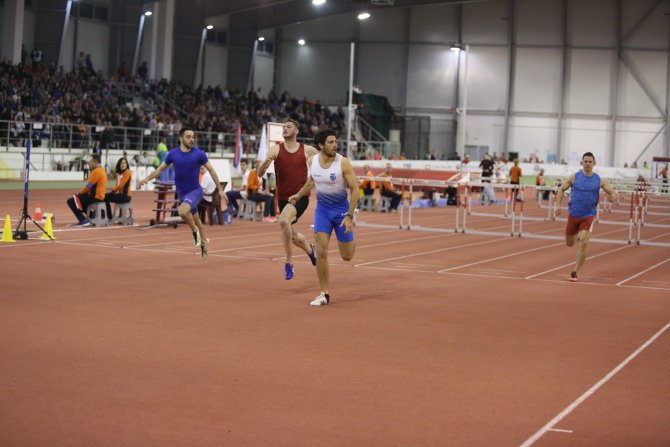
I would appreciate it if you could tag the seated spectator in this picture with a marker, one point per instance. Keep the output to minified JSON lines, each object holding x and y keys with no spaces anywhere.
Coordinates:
{"x":258,"y":195}
{"x":93,"y":191}
{"x":121,"y":192}
{"x":240,"y":193}
{"x":211,"y":200}
{"x":388,"y":190}
{"x":368,"y":185}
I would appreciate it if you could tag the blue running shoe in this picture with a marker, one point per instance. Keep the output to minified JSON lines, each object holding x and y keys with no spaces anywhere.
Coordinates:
{"x":288,"y":271}
{"x":312,"y":255}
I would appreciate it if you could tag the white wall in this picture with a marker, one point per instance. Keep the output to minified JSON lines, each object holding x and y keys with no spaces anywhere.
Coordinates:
{"x":92,"y":38}
{"x":216,"y":64}
{"x":264,"y":73}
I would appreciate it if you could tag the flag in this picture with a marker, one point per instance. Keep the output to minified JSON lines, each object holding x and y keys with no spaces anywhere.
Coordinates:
{"x":263,"y":147}
{"x":238,"y":146}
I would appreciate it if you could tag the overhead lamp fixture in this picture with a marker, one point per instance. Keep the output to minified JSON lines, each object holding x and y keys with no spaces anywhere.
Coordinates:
{"x":364,"y":16}
{"x":210,"y":26}
{"x":148,"y":13}
{"x":261,"y":39}
{"x":318,"y":2}
{"x":456,"y":48}
{"x":301,"y":42}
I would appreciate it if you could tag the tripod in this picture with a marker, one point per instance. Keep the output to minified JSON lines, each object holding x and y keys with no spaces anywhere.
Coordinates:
{"x":18,"y":233}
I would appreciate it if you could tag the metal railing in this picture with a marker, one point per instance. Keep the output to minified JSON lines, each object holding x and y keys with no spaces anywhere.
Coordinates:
{"x":75,"y":138}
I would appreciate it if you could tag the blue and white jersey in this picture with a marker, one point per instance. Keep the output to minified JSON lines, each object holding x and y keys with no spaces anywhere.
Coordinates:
{"x":331,"y":188}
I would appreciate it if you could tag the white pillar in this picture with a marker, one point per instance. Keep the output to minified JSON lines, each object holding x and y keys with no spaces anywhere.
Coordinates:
{"x":164,"y":24}
{"x":12,"y":30}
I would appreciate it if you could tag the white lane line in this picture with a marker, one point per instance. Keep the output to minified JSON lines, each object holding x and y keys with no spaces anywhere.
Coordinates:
{"x":642,"y":272}
{"x":379,"y":244}
{"x":590,"y":257}
{"x":560,"y":430}
{"x":423,"y":253}
{"x":500,"y":257}
{"x":570,"y":408}
{"x":573,"y":263}
{"x":656,"y":282}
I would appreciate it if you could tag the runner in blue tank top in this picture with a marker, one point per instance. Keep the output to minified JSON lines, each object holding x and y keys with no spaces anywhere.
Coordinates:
{"x":583,"y":207}
{"x":187,"y":160}
{"x":333,"y":177}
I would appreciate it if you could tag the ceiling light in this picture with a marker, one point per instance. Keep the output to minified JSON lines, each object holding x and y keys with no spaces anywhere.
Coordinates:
{"x":455,"y":48}
{"x":318,"y":2}
{"x":261,"y":39}
{"x":301,"y":42}
{"x":148,"y":13}
{"x":363,"y":16}
{"x":210,"y":26}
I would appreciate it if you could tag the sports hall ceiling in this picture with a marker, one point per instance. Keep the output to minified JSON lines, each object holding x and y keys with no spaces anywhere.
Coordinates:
{"x":273,"y":13}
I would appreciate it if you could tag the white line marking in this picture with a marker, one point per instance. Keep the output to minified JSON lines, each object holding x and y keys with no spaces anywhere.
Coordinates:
{"x":530,"y":441}
{"x":657,"y":282}
{"x":590,"y":257}
{"x":642,"y":272}
{"x":416,"y":265}
{"x":573,"y":263}
{"x":560,"y":430}
{"x":423,"y":253}
{"x":499,"y":257}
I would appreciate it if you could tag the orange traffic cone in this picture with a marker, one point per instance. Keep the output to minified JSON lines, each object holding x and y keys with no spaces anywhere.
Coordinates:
{"x":38,"y":212}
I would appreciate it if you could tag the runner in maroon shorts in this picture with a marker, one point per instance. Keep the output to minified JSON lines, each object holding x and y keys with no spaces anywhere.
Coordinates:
{"x":583,"y":207}
{"x":290,"y":159}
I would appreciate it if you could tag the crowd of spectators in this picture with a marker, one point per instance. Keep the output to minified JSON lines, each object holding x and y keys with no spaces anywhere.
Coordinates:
{"x":84,"y":97}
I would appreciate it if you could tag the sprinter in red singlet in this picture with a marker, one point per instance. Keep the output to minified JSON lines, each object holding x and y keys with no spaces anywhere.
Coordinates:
{"x":291,"y":172}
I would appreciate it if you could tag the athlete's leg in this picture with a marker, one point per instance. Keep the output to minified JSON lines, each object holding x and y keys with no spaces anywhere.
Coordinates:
{"x":286,"y":219}
{"x":347,"y":250}
{"x":322,"y":241}
{"x":201,"y":227}
{"x":299,"y":240}
{"x":570,"y":240}
{"x":584,"y":237}
{"x":185,"y":213}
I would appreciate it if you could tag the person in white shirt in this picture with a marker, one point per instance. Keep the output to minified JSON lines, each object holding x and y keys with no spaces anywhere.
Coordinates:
{"x":210,"y":198}
{"x":238,"y":193}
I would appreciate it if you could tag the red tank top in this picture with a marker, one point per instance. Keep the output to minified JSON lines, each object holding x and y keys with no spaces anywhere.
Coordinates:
{"x":291,"y":171}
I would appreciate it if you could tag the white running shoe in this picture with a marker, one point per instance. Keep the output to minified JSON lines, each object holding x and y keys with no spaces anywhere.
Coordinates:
{"x":321,"y":300}
{"x":196,"y":238}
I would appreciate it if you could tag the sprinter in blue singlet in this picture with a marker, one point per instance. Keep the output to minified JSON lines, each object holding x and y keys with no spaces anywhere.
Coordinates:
{"x":583,"y":207}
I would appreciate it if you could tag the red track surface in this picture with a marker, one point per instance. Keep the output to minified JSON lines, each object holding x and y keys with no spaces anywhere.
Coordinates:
{"x":124,"y":336}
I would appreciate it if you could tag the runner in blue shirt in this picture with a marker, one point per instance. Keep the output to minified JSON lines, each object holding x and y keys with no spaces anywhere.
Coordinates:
{"x":187,"y":160}
{"x":583,"y":207}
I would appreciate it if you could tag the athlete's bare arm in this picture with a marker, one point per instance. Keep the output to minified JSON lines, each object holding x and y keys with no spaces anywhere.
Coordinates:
{"x":153,"y":175}
{"x":309,"y":151}
{"x":559,"y":195}
{"x":605,"y":185}
{"x":272,"y":155}
{"x":354,"y":194}
{"x":307,"y":187}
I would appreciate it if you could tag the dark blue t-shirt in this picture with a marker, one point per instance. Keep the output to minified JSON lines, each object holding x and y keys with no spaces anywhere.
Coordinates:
{"x":186,"y":168}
